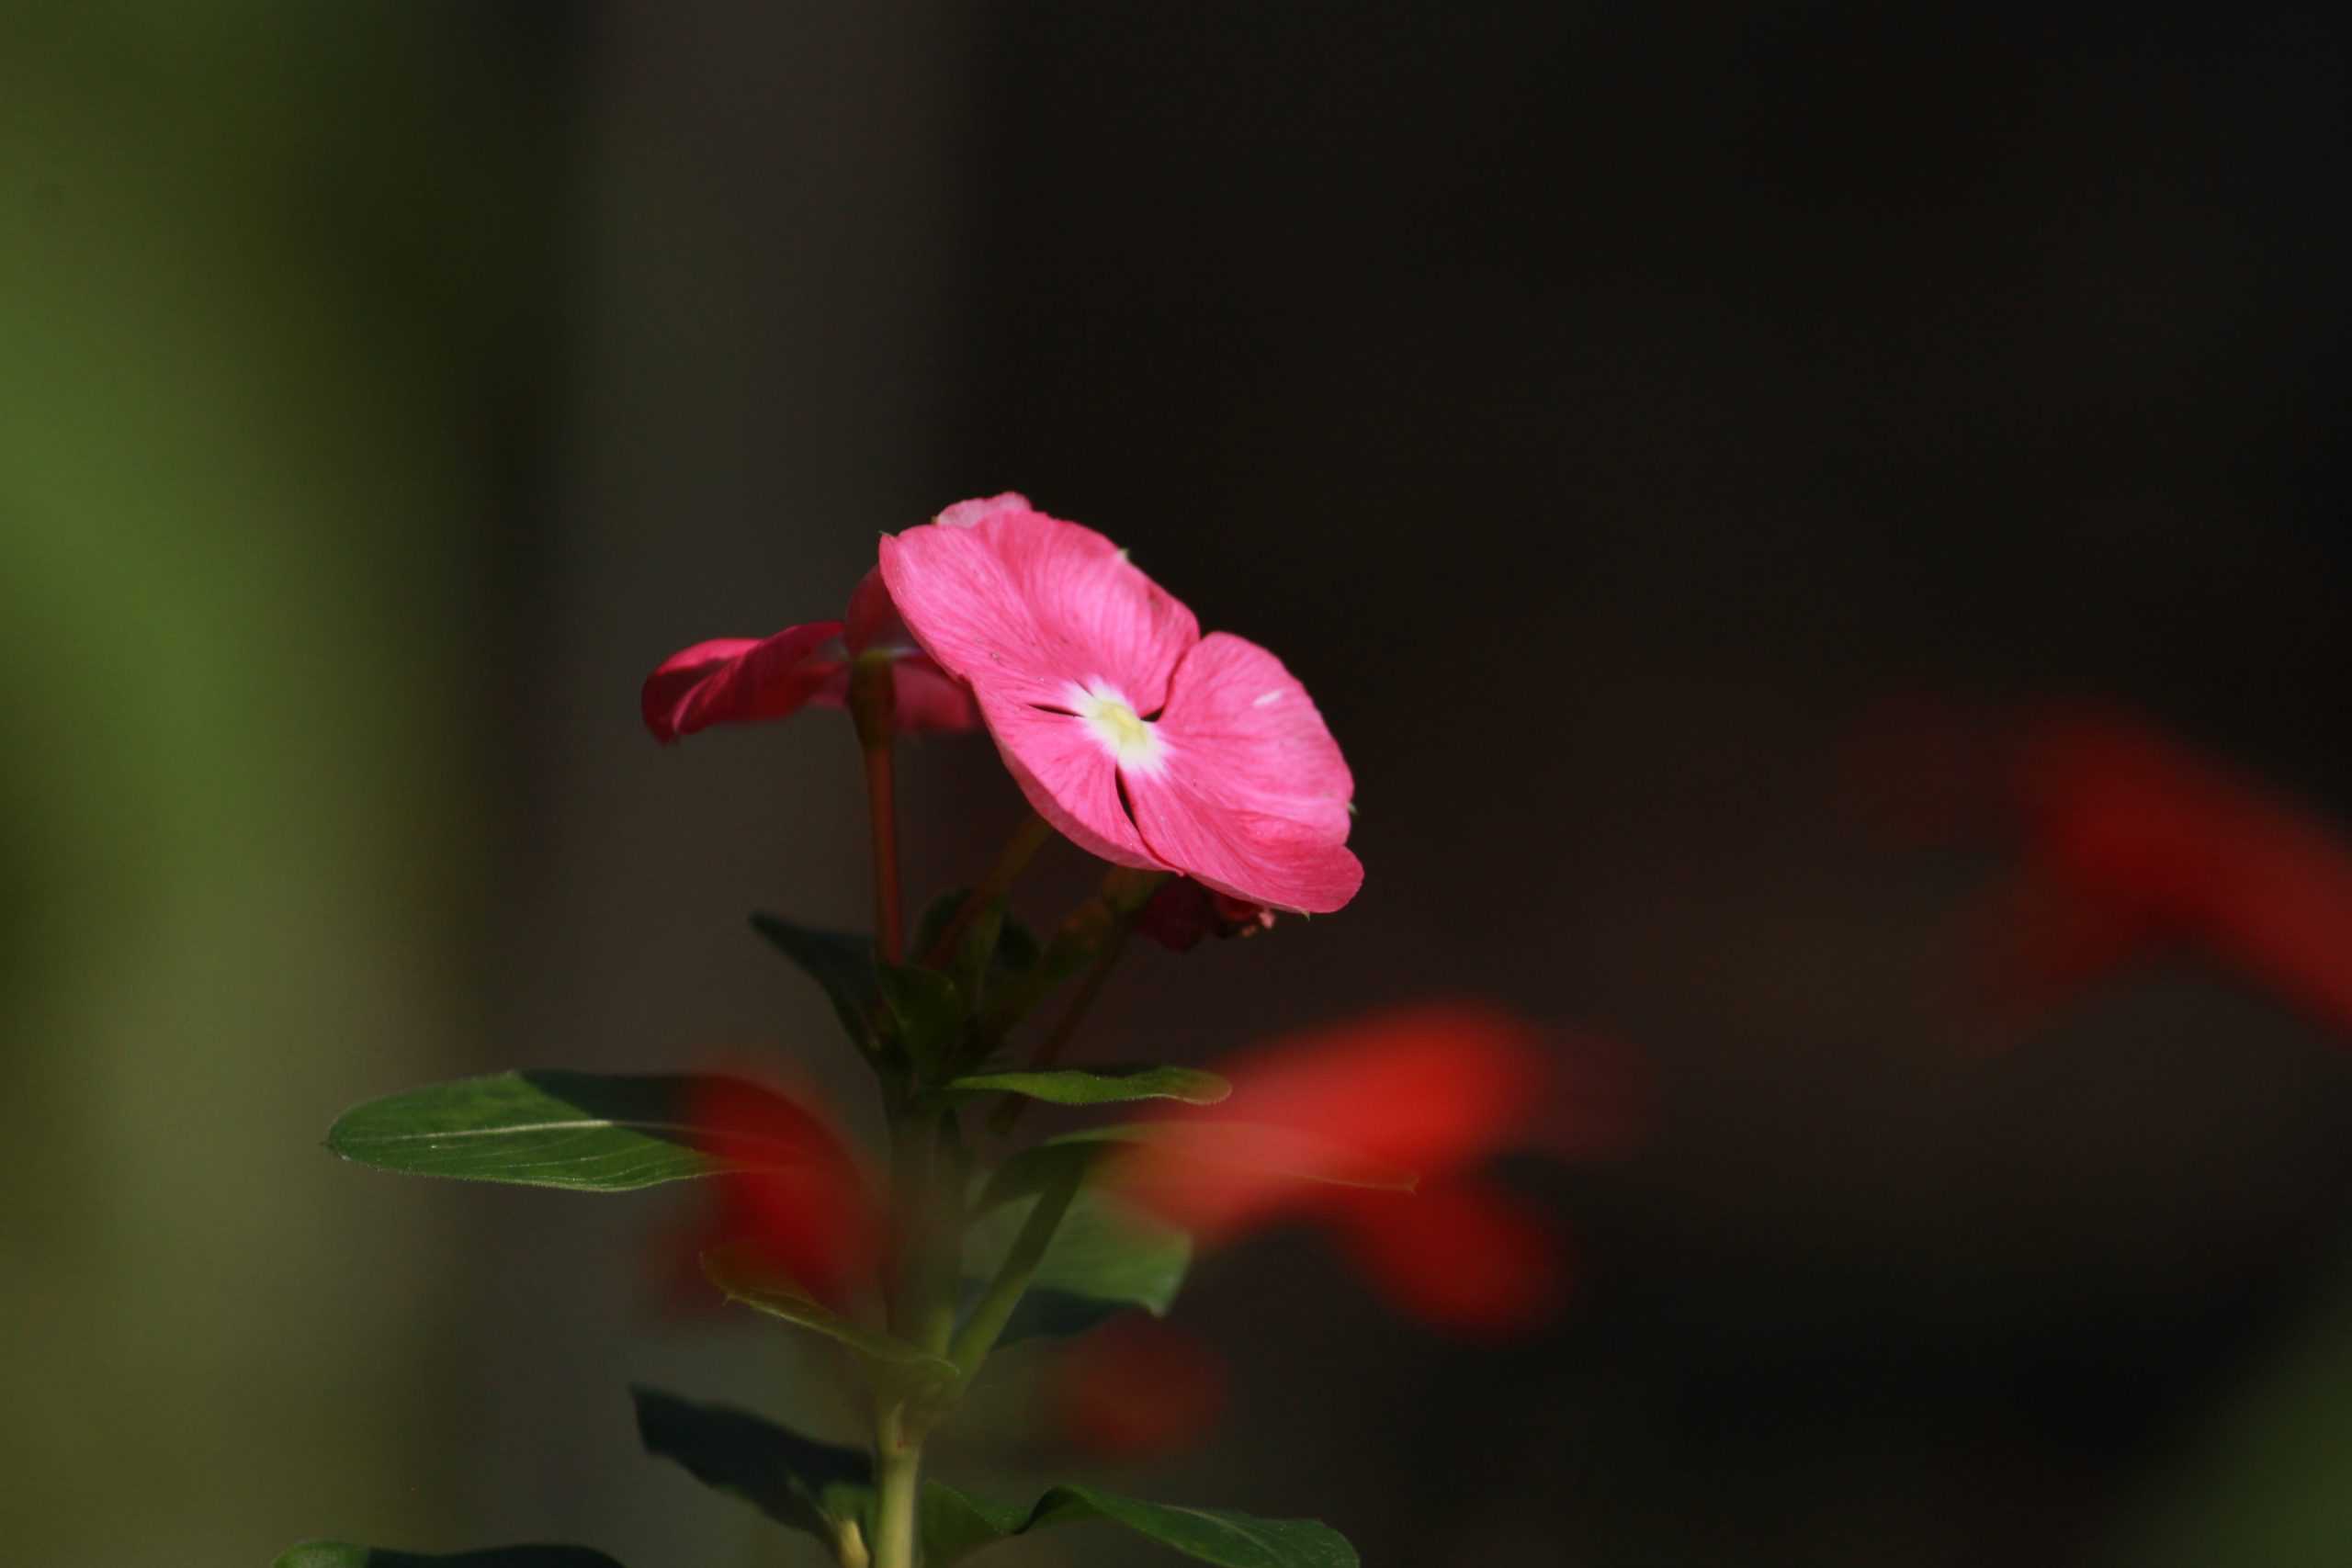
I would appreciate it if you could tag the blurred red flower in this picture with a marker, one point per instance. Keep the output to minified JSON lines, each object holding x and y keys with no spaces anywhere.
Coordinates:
{"x":2134,"y":843}
{"x":1325,"y":1125}
{"x":802,"y":1207}
{"x":1138,"y":1387}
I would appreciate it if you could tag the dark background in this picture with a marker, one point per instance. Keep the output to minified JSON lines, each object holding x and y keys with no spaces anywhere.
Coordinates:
{"x":1600,"y":407}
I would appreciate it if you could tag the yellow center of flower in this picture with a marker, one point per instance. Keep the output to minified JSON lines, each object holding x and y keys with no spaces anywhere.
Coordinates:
{"x":1130,"y":738}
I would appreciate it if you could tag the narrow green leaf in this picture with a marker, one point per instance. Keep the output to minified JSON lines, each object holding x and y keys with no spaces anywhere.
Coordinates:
{"x":586,"y":1132}
{"x":927,"y":1010}
{"x":1106,"y":1085}
{"x":739,"y":1271}
{"x":842,"y":963}
{"x":1105,"y":1259}
{"x":811,"y":1486}
{"x":344,"y":1554}
{"x":956,"y":1524}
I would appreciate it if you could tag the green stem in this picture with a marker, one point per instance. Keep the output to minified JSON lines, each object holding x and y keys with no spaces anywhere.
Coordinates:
{"x":1011,"y":861}
{"x":909,"y":1224}
{"x":873,"y":704}
{"x":939,"y":1237}
{"x":977,"y":1337}
{"x":898,"y":1480}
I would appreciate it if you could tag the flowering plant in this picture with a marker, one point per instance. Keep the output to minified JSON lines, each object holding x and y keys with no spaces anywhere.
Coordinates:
{"x":1199,"y":768}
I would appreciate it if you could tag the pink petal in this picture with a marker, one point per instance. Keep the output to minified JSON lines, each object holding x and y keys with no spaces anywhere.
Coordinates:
{"x":972,"y":513}
{"x":1068,"y":776}
{"x":737,"y":681}
{"x":1252,"y":795}
{"x":1025,"y":607}
{"x":931,"y":701}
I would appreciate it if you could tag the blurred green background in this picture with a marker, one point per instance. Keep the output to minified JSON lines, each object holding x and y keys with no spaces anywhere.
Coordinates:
{"x":1597,"y":405}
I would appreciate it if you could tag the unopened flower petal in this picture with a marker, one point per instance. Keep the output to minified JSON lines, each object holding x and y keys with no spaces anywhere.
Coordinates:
{"x":738,"y":680}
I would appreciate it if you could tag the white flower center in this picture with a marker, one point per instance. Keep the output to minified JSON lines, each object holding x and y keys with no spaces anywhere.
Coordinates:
{"x":1132,"y":739}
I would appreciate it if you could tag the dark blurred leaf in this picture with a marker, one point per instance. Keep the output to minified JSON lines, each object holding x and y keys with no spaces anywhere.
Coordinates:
{"x":927,"y":1010}
{"x":1105,"y":1259}
{"x":585,"y":1132}
{"x":1009,"y":958}
{"x":842,"y":963}
{"x":1107,"y":1085}
{"x":956,"y":1524}
{"x":344,"y":1554}
{"x":798,"y":1482}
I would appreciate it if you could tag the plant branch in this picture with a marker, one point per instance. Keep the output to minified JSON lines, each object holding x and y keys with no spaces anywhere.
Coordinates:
{"x":977,"y":1337}
{"x":898,"y":1480}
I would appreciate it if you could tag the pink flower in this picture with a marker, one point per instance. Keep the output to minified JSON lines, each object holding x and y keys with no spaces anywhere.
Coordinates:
{"x":743,"y":680}
{"x":1143,"y":741}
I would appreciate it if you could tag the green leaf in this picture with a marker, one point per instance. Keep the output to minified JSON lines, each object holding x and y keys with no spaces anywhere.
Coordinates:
{"x":956,"y":1524}
{"x":798,"y":1482}
{"x":1106,"y":1085}
{"x":1105,"y":1259}
{"x":842,"y":963}
{"x":344,"y":1554}
{"x":739,"y":1271}
{"x":926,"y":1008}
{"x":586,"y":1132}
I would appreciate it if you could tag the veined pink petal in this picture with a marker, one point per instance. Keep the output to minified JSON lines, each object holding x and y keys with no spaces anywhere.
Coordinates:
{"x":1190,"y":826}
{"x":1068,"y":776}
{"x":736,"y":680}
{"x":1251,"y":796}
{"x":972,"y":513}
{"x":1240,"y":721}
{"x":1030,"y":608}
